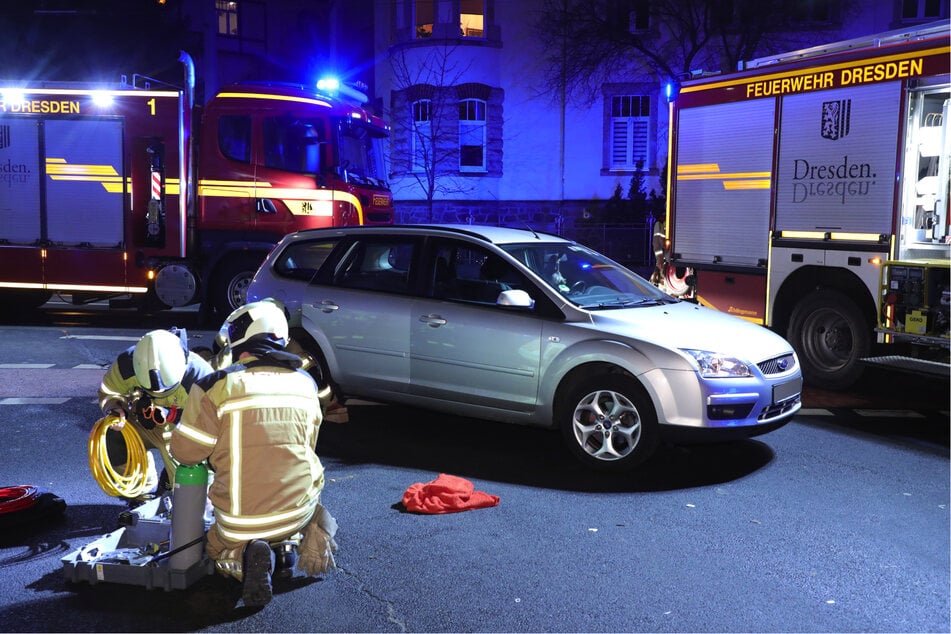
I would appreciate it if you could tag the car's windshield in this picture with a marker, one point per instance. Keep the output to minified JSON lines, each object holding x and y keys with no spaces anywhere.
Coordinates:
{"x":585,"y":277}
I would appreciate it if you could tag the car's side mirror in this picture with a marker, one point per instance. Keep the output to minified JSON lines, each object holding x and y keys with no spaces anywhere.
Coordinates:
{"x":516,"y":298}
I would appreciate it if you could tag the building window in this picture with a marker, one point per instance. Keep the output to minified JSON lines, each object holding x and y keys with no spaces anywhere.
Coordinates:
{"x":810,"y":12}
{"x":472,"y":135}
{"x":422,"y":133}
{"x":227,"y":17}
{"x":913,"y":10}
{"x":629,"y":131}
{"x":424,"y":16}
{"x":639,"y":19}
{"x":472,"y":18}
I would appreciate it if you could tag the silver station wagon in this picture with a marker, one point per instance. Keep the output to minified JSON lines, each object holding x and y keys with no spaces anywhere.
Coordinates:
{"x":516,"y":326}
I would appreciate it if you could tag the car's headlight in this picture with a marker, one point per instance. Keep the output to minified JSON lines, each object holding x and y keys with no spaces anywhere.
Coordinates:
{"x":715,"y":365}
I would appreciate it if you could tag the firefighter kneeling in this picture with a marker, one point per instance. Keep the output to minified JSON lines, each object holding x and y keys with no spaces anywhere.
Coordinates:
{"x":256,"y":423}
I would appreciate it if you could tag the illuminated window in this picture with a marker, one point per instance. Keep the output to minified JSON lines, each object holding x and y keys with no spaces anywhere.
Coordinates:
{"x":472,"y":18}
{"x":227,"y":17}
{"x":424,"y":13}
{"x":422,"y":133}
{"x":472,"y":135}
{"x":629,"y":131}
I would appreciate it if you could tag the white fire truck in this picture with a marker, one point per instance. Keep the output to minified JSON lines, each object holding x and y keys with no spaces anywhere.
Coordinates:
{"x":128,"y":192}
{"x":808,"y":192}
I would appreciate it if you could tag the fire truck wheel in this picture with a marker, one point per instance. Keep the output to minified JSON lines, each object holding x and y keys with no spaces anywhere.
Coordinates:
{"x":608,"y":422}
{"x":831,"y":338}
{"x":232,"y":280}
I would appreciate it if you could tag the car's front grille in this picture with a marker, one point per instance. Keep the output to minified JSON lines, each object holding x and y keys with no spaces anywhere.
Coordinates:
{"x":778,"y":365}
{"x":778,"y":409}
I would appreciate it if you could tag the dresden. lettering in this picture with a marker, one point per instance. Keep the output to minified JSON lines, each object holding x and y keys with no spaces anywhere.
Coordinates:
{"x":804,"y":170}
{"x":843,"y":181}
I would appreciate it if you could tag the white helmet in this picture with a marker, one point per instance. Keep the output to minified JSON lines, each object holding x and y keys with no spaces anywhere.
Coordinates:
{"x":159,"y":361}
{"x":259,"y":318}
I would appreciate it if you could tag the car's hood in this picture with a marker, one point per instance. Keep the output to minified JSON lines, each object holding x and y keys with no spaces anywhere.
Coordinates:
{"x":687,"y":325}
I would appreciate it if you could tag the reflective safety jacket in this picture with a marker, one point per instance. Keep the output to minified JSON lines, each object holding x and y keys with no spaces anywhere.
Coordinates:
{"x":119,"y":382}
{"x":256,"y":422}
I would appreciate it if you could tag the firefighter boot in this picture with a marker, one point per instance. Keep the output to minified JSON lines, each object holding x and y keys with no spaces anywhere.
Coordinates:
{"x":257,"y":567}
{"x":285,"y":559}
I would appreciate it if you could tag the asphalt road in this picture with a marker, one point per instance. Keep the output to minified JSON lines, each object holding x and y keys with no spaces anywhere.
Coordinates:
{"x":839,"y":521}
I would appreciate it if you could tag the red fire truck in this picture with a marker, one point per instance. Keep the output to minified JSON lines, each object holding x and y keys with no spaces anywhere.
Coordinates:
{"x":808,"y":192}
{"x":128,"y":192}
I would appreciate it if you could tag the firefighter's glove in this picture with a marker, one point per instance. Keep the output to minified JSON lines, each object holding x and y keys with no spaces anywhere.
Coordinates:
{"x":149,"y":414}
{"x":317,"y":546}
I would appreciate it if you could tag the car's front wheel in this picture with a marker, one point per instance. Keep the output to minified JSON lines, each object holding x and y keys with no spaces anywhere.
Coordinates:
{"x":608,"y":421}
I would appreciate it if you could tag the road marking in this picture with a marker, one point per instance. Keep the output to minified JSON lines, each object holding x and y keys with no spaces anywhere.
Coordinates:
{"x":26,"y":366}
{"x":101,"y":337}
{"x":49,"y":366}
{"x":33,"y":401}
{"x":890,"y":413}
{"x":815,"y":412}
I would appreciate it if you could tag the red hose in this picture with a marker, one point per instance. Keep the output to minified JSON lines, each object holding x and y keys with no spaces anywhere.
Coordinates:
{"x":18,"y":498}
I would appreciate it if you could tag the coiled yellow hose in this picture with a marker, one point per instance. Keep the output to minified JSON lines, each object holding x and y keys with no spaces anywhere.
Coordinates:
{"x":133,"y":480}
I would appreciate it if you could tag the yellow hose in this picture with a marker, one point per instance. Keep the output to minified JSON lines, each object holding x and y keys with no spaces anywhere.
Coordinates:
{"x":132,"y":481}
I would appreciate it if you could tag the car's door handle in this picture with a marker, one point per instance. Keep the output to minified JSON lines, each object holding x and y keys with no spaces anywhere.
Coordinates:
{"x":326,"y":306}
{"x":434,"y":321}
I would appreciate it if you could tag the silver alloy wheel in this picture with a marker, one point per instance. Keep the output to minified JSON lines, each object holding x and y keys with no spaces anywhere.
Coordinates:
{"x":238,"y":289}
{"x":606,"y":425}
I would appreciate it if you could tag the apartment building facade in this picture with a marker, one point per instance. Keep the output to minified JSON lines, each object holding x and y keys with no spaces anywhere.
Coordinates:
{"x":482,"y":132}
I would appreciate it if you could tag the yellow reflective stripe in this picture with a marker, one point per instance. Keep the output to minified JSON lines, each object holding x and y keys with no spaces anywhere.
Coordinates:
{"x":196,"y":435}
{"x":225,"y":191}
{"x":271,"y":400}
{"x":234,"y":433}
{"x":258,"y":521}
{"x":276,"y":532}
{"x":839,"y":235}
{"x":266,"y":531}
{"x":831,"y":235}
{"x":732,"y":181}
{"x":751,"y":184}
{"x":257,"y":95}
{"x":75,"y":287}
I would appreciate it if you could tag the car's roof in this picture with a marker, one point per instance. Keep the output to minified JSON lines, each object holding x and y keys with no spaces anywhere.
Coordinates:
{"x":489,"y":233}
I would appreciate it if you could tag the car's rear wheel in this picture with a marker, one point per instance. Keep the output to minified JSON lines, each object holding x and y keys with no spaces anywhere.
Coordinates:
{"x":609,"y":422}
{"x":232,"y":281}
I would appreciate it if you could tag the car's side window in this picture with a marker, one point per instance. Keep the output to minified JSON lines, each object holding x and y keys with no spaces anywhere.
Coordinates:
{"x":377,"y":263}
{"x":465,"y":272}
{"x":302,"y":260}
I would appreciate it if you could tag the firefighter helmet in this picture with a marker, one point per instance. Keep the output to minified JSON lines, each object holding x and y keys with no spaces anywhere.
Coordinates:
{"x":263,"y":318}
{"x":159,"y":361}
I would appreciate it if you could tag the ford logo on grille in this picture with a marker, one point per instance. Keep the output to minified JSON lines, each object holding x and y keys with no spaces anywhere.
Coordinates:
{"x":783,"y":364}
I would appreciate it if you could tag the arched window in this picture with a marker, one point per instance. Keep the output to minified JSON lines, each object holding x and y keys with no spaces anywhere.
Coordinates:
{"x":472,"y":135}
{"x":422,"y":134}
